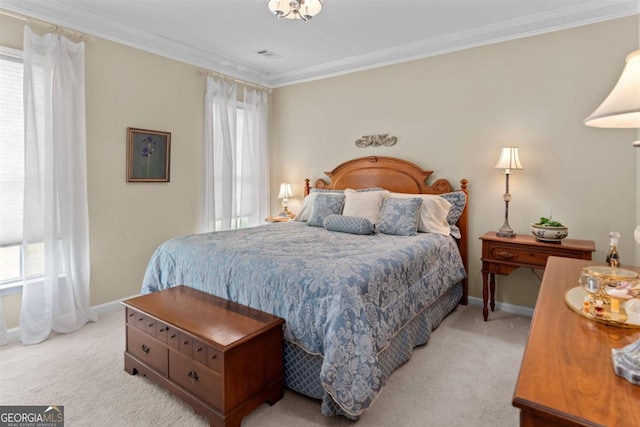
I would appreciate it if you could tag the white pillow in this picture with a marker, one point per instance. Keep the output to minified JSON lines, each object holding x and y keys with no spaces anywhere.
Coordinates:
{"x":433,"y":212}
{"x":363,"y":204}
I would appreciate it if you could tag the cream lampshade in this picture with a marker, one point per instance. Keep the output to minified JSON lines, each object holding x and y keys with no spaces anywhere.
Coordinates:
{"x":509,"y":160}
{"x":285,"y":193}
{"x":621,"y":109}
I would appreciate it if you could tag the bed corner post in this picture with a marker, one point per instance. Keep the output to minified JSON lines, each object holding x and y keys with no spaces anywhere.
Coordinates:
{"x":307,"y":187}
{"x":463,"y":224}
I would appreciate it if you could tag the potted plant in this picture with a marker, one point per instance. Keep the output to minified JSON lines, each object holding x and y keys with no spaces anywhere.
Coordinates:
{"x":547,"y":230}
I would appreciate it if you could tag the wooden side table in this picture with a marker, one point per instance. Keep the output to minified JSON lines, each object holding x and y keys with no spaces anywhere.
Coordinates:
{"x":278,"y":219}
{"x":502,"y":255}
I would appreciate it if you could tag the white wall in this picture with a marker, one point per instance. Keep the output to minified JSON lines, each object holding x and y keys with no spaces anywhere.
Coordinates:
{"x":452,"y":113}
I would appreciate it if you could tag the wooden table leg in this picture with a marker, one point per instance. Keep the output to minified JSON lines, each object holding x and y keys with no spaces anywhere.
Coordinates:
{"x":485,"y":294}
{"x":492,"y":279}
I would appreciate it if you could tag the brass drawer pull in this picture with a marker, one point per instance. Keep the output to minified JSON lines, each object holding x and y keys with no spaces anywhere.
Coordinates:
{"x":506,"y":254}
{"x":145,"y":348}
{"x":193,"y":375}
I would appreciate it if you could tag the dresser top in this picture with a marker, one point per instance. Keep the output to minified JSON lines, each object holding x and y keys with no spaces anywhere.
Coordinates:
{"x":212,"y":319}
{"x":528,"y":239}
{"x":567,"y":372}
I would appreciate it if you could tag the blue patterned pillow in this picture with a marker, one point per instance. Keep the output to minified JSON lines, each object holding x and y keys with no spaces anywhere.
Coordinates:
{"x":458,"y":200}
{"x":400,"y":216}
{"x":325,"y":205}
{"x":348,"y":224}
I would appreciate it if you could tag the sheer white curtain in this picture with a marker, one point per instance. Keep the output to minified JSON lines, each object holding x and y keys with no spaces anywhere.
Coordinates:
{"x":55,"y":190}
{"x":235,"y":178}
{"x":254,"y":194}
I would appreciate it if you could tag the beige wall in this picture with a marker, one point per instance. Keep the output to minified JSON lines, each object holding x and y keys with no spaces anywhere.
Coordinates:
{"x":452,"y":113}
{"x":126,"y":87}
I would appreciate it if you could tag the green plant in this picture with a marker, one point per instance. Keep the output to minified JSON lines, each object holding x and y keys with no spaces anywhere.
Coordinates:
{"x":547,"y":222}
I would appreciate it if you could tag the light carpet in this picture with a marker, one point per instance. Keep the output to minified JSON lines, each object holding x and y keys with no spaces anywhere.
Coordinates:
{"x":464,"y":376}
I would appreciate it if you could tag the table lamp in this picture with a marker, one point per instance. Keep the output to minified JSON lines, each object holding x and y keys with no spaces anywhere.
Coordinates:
{"x":285,"y":194}
{"x":509,"y":160}
{"x":621,"y":109}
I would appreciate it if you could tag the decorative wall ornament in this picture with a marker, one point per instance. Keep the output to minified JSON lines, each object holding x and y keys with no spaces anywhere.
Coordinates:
{"x":376,"y":140}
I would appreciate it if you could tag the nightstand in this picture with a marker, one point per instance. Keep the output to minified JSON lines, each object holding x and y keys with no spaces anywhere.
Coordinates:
{"x":278,"y":219}
{"x":502,"y":255}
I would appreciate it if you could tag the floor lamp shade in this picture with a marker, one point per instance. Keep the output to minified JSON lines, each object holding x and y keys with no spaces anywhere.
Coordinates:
{"x":509,"y":160}
{"x":621,"y":109}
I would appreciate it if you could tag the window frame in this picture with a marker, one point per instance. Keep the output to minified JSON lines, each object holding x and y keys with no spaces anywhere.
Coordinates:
{"x":13,"y":286}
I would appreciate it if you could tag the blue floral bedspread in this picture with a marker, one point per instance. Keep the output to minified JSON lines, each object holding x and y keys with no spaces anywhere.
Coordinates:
{"x":343,"y":296}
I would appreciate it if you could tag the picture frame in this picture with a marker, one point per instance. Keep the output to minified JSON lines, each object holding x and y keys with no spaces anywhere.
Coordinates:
{"x":148,"y":155}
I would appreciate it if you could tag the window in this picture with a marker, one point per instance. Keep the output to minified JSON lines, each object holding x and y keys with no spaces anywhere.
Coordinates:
{"x":241,"y":219}
{"x":12,"y":256}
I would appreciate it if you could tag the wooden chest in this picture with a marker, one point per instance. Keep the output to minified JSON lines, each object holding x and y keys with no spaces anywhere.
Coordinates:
{"x":223,"y":358}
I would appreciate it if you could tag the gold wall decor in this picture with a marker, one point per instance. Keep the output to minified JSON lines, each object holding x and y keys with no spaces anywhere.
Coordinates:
{"x":376,"y":140}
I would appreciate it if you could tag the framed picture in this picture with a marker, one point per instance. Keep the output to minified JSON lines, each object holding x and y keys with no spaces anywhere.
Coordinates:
{"x":148,"y":155}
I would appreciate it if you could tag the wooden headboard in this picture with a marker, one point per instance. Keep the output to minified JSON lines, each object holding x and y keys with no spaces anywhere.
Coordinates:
{"x":399,"y":176}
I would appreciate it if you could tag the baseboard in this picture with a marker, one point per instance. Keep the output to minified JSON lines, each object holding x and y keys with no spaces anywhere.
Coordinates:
{"x":13,"y":334}
{"x":503,"y":306}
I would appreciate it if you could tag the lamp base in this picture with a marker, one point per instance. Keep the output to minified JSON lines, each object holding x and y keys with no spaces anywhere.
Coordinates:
{"x":626,"y":362}
{"x":501,"y":234}
{"x":505,"y":231}
{"x":286,"y":213}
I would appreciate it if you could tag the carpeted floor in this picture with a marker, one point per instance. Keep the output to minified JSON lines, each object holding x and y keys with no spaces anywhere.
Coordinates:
{"x":464,"y":376}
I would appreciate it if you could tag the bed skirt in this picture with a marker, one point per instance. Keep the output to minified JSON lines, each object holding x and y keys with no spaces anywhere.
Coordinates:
{"x":302,"y":370}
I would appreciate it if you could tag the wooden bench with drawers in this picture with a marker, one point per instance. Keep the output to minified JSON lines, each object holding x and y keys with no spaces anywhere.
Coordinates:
{"x":223,"y":358}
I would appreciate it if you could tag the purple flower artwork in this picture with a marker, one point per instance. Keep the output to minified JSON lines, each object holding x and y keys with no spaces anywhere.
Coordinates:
{"x":148,"y":155}
{"x":148,"y":147}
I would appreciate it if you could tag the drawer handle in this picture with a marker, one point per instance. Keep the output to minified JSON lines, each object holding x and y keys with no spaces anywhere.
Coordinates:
{"x":145,"y":348}
{"x":150,"y":324}
{"x":141,"y":319}
{"x":131,"y":314}
{"x":199,"y":349}
{"x":506,"y":254}
{"x":214,"y":356}
{"x":173,"y":336}
{"x":193,"y":375}
{"x":163,"y":329}
{"x":186,"y":342}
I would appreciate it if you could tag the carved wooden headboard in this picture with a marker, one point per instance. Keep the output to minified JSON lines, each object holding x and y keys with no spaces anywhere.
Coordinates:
{"x":399,"y":176}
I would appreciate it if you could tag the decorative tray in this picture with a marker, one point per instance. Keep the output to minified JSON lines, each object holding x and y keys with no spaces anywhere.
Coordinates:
{"x":575,"y":299}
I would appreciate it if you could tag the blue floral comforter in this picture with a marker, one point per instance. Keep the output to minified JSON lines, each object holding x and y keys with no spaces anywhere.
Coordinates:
{"x":343,"y":296}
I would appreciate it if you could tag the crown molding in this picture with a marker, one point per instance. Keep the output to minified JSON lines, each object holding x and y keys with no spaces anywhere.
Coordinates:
{"x":560,"y":19}
{"x":59,"y":13}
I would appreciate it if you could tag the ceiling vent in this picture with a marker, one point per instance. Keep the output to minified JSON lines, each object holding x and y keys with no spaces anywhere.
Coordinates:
{"x":268,"y":54}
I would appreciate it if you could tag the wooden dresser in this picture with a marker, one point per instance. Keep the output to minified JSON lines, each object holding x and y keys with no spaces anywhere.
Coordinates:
{"x":223,"y":358}
{"x":567,"y":376}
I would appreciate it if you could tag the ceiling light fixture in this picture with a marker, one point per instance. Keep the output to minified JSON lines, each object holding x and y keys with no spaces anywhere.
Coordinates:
{"x":295,"y":9}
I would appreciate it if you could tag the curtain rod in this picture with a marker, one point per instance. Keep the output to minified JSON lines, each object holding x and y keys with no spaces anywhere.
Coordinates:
{"x":233,"y":79}
{"x":54,"y":28}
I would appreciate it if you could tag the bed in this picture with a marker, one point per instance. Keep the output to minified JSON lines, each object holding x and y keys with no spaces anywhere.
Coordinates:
{"x":355,"y":305}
